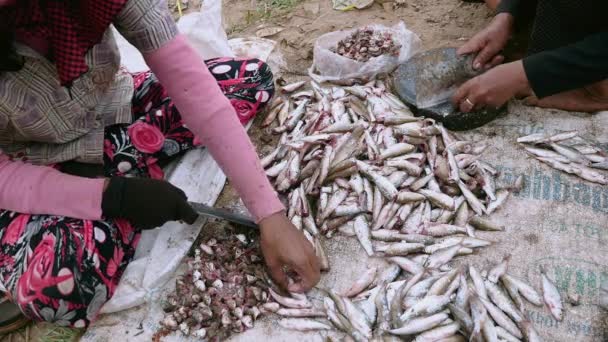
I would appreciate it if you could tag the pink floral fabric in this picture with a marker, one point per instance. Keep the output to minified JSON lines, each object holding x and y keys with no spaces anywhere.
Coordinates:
{"x":61,"y":269}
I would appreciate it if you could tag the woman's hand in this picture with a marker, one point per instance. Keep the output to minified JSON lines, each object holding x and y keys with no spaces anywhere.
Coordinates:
{"x":145,"y":203}
{"x":493,"y":88}
{"x":488,"y":42}
{"x":283,"y":245}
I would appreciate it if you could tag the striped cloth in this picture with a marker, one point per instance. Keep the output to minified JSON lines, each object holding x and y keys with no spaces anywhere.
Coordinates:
{"x":45,"y":123}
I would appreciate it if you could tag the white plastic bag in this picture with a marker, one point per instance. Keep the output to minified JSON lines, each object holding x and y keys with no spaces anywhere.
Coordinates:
{"x":205,"y":31}
{"x":328,"y":66}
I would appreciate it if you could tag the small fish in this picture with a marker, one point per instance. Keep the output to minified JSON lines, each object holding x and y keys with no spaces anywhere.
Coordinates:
{"x":463,"y":294}
{"x":276,"y":169}
{"x":362,"y":283}
{"x":396,"y":150}
{"x":388,"y":274}
{"x":501,"y":300}
{"x":441,"y":229}
{"x":552,"y":297}
{"x":288,"y":88}
{"x":426,"y":306}
{"x":441,"y":285}
{"x":418,"y":325}
{"x":472,"y":200}
{"x":301,"y":324}
{"x":400,"y":248}
{"x":290,"y":302}
{"x":439,"y":333}
{"x":439,"y":199}
{"x":388,"y":235}
{"x":501,"y":318}
{"x":501,"y":197}
{"x":442,"y":256}
{"x":407,"y":264}
{"x":530,"y":334}
{"x":382,"y":183}
{"x":462,"y":317}
{"x":505,"y":335}
{"x":570,"y":153}
{"x":408,"y":197}
{"x":484,"y":224}
{"x":300,"y":312}
{"x":499,"y":270}
{"x":320,"y":252}
{"x":333,"y":203}
{"x":480,"y":288}
{"x":363,"y":234}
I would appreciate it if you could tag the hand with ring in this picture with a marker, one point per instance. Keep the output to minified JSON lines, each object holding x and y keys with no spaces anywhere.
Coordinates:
{"x":493,"y":88}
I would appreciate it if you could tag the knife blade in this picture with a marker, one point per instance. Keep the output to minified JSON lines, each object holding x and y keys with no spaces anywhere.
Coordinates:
{"x":223,"y":214}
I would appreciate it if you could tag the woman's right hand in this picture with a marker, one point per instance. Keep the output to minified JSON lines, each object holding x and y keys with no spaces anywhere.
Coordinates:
{"x":145,"y":203}
{"x":488,"y":42}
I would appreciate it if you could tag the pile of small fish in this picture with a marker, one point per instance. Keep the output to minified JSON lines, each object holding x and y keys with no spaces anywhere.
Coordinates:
{"x":570,"y":153}
{"x":355,"y":160}
{"x":430,"y":305}
{"x":367,"y":43}
{"x":222,"y":293}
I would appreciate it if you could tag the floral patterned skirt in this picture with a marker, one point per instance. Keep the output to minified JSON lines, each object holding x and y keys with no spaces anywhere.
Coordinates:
{"x":62,"y":269}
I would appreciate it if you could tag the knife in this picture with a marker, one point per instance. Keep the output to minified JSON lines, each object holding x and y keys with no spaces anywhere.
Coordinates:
{"x":223,"y":214}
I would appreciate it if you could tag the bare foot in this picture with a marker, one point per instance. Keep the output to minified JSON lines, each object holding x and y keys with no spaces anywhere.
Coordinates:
{"x":579,"y":100}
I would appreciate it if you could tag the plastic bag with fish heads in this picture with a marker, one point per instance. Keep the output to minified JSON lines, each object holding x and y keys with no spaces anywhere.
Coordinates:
{"x":329,"y":66}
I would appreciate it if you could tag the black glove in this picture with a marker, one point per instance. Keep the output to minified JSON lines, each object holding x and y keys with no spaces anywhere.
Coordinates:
{"x":146,"y":203}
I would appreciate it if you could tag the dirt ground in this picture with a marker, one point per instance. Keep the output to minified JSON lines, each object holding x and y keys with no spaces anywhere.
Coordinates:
{"x":437,"y":22}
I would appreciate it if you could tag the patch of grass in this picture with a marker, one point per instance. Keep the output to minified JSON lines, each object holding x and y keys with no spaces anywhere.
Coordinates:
{"x":60,"y":334}
{"x":264,"y":10}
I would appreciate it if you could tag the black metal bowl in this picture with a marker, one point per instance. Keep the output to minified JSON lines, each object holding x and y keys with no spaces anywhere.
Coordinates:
{"x":445,"y":64}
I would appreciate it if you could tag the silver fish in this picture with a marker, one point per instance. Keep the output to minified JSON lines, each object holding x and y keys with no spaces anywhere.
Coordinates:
{"x":301,"y":324}
{"x":570,"y":153}
{"x":524,"y":289}
{"x":362,"y":283}
{"x":382,"y":183}
{"x":400,"y":248}
{"x":363,"y":234}
{"x":442,"y":256}
{"x":439,"y":199}
{"x":552,"y":297}
{"x":501,"y":318}
{"x":499,"y":270}
{"x":478,"y":282}
{"x":300,"y":312}
{"x":472,"y":200}
{"x":426,"y":306}
{"x":418,"y":325}
{"x":407,"y":264}
{"x":438,"y":333}
{"x":501,"y":300}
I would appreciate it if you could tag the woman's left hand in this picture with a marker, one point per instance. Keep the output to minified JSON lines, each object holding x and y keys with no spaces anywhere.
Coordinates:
{"x":283,"y":245}
{"x":493,"y":88}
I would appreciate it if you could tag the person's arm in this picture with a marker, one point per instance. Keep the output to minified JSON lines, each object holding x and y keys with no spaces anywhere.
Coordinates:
{"x":209,"y":114}
{"x":33,"y":189}
{"x":569,"y":67}
{"x":205,"y":110}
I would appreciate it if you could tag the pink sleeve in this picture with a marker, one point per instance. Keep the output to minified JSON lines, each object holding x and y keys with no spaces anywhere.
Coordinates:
{"x":33,"y":189}
{"x":209,"y":114}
